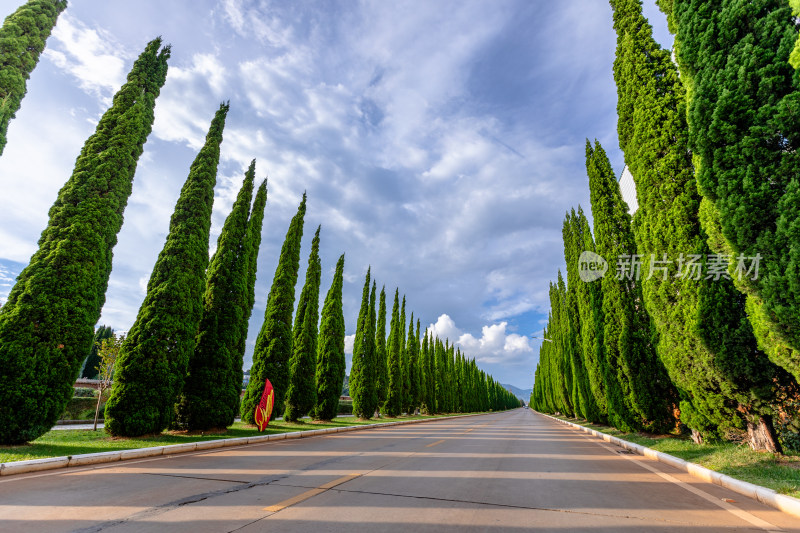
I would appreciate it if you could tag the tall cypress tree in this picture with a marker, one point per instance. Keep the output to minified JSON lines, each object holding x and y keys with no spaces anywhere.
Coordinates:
{"x":204,"y":404}
{"x":394,"y":395}
{"x":422,"y":372}
{"x":744,"y":133}
{"x":22,"y":40}
{"x":362,"y":373}
{"x":152,"y":363}
{"x":578,"y":238}
{"x":381,"y":372}
{"x":412,"y":351}
{"x":705,"y":338}
{"x":252,"y":245}
{"x":47,"y":324}
{"x":646,"y":396}
{"x":404,"y":356}
{"x":331,"y":364}
{"x":89,"y":369}
{"x":302,"y":394}
{"x":274,"y":343}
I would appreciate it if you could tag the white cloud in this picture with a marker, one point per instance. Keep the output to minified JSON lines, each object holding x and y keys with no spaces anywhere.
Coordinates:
{"x":495,"y":345}
{"x":89,"y":54}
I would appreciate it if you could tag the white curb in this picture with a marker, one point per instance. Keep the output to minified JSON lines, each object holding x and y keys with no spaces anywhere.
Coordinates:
{"x":787,"y":504}
{"x":52,"y":463}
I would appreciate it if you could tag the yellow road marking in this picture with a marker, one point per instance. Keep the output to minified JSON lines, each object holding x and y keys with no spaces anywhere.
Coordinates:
{"x":309,"y":494}
{"x":434,"y":443}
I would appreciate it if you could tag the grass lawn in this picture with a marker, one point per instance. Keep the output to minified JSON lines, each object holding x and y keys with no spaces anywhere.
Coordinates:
{"x":775,"y":471}
{"x":73,"y":442}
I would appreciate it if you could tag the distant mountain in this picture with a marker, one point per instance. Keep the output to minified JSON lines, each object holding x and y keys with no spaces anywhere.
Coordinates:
{"x":522,"y":394}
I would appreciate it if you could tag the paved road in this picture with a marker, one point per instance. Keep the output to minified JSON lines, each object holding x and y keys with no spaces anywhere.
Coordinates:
{"x":514,"y":471}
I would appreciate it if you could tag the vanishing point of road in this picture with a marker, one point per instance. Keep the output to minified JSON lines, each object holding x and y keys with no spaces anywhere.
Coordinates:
{"x":511,"y":471}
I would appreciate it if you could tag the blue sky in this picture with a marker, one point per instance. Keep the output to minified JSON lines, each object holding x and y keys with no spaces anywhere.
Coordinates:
{"x":439,"y":142}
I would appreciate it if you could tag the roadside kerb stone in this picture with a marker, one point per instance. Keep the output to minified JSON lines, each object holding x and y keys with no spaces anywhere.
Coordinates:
{"x":53,"y":463}
{"x":787,"y":504}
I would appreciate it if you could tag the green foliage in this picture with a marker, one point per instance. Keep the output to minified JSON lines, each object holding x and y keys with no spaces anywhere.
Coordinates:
{"x":381,"y":370}
{"x":47,"y":324}
{"x":154,"y":357}
{"x":22,"y":40}
{"x":331,"y":363}
{"x":89,"y":369}
{"x":274,"y":343}
{"x":394,"y":395}
{"x":744,"y":134}
{"x":362,"y":373}
{"x":645,"y":397}
{"x":252,"y":245}
{"x":705,"y":339}
{"x":412,"y":352}
{"x":207,"y":400}
{"x":302,"y":394}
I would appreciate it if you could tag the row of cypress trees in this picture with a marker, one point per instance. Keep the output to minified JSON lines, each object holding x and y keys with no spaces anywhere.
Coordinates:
{"x":407,"y":372}
{"x":719,"y":347}
{"x":181,"y":362}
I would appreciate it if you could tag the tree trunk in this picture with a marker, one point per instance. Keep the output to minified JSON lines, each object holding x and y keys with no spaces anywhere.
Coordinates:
{"x":697,"y":437}
{"x":762,"y":435}
{"x":97,"y":409}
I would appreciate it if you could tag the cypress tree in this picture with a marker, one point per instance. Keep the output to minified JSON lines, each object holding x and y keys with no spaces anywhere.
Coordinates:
{"x":744,"y":133}
{"x":47,"y":323}
{"x":422,"y":372}
{"x":412,"y":350}
{"x":151,"y":366}
{"x":204,"y":404}
{"x":705,"y":338}
{"x":362,"y":373}
{"x":302,"y":394}
{"x":645,"y":397}
{"x":586,"y":312}
{"x":252,"y":244}
{"x":274,"y":343}
{"x":394,"y":394}
{"x":559,"y":336}
{"x":22,"y":40}
{"x":381,"y":372}
{"x":89,"y":369}
{"x":404,"y":356}
{"x":331,"y":364}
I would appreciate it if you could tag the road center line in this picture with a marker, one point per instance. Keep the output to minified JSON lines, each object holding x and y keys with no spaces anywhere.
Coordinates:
{"x":310,"y":493}
{"x":434,"y":443}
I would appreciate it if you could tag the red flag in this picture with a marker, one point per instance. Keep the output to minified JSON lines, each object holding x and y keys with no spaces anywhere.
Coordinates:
{"x":264,"y":407}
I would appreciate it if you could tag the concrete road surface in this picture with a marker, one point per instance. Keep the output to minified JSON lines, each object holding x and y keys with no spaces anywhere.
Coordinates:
{"x":513,"y":471}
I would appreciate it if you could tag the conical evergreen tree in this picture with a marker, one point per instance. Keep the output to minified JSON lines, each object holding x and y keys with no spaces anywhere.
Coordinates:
{"x":744,"y":133}
{"x":705,"y":339}
{"x":47,"y":324}
{"x":302,"y":394}
{"x":394,"y":394}
{"x":582,"y":296}
{"x":252,"y":245}
{"x":204,"y":403}
{"x":422,"y":372}
{"x":404,"y":356}
{"x":151,"y":367}
{"x":331,"y":363}
{"x":274,"y":343}
{"x":381,"y":371}
{"x":362,"y":373}
{"x":89,"y":369}
{"x":646,"y":396}
{"x":22,"y":40}
{"x":412,"y":351}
